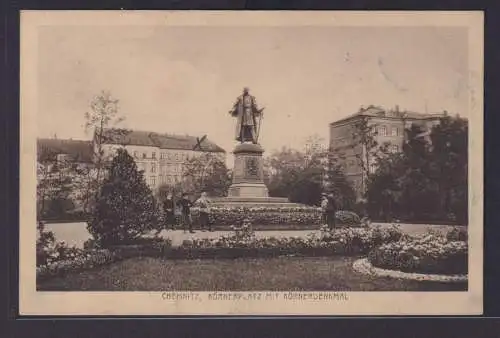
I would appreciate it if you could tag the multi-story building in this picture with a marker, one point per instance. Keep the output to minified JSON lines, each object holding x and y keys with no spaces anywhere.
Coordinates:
{"x":387,"y":128}
{"x":162,"y":157}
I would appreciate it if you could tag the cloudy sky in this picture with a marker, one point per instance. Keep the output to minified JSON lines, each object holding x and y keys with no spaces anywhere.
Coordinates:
{"x":185,"y":79}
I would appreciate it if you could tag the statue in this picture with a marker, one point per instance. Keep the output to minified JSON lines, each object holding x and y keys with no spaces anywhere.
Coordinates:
{"x":248,"y":118}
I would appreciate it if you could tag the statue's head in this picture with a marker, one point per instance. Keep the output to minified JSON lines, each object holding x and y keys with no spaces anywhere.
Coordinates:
{"x":246,"y":90}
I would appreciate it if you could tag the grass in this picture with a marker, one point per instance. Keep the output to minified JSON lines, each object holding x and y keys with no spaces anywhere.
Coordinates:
{"x":276,"y":274}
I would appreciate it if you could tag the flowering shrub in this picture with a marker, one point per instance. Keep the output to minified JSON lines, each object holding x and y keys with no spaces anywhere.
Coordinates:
{"x":245,"y":232}
{"x":48,"y":250}
{"x":430,"y":254}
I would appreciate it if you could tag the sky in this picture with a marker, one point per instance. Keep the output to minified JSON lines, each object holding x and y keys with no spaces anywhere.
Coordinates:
{"x":184,"y":80}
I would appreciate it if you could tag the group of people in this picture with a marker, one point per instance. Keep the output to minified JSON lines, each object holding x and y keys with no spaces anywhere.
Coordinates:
{"x":329,"y":208}
{"x":185,"y":205}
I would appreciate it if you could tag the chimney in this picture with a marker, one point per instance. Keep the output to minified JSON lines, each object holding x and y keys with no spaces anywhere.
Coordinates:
{"x":397,"y":108}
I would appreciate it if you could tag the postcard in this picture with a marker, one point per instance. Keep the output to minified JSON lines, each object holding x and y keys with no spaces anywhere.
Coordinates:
{"x":251,"y":163}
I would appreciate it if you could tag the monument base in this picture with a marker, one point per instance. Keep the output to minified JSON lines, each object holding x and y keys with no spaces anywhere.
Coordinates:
{"x":248,"y":190}
{"x":251,"y":202}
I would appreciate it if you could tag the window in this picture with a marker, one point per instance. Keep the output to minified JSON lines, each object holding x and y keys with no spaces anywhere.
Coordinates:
{"x":135,"y":153}
{"x":153,"y":180}
{"x":382,"y":131}
{"x":394,"y":131}
{"x":153,"y":155}
{"x":394,"y":148}
{"x":177,"y":156}
{"x":153,"y":167}
{"x":373,"y":168}
{"x":144,"y":155}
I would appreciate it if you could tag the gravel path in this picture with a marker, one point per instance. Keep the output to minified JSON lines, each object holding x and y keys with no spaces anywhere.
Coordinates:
{"x":75,"y":234}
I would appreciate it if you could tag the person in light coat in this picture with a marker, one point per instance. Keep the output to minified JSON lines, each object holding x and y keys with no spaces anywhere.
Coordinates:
{"x":204,"y":204}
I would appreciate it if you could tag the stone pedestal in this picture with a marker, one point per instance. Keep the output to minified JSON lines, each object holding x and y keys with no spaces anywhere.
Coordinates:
{"x":248,"y":173}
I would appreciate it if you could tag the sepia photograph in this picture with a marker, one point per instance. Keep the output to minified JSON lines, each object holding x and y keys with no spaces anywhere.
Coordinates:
{"x":236,"y":163}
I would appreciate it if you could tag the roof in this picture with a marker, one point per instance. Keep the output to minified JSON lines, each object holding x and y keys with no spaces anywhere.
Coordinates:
{"x":78,"y":150}
{"x":162,"y":141}
{"x":375,"y":111}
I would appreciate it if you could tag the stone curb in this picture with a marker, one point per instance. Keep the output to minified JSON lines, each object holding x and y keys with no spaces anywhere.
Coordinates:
{"x":365,"y":267}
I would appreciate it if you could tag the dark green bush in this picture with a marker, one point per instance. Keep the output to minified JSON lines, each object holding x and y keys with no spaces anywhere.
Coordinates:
{"x":126,"y":207}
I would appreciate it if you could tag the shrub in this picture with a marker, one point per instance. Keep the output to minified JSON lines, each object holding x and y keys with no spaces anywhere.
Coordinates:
{"x":430,"y":254}
{"x":347,"y":218}
{"x":457,"y":234}
{"x":126,"y":207}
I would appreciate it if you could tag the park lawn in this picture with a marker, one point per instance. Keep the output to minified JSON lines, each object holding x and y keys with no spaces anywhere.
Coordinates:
{"x":274,"y":274}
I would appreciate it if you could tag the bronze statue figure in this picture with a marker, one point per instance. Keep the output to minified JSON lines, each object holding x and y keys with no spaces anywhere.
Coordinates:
{"x":248,"y":118}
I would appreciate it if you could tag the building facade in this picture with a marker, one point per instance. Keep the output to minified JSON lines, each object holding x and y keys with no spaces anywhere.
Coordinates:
{"x":387,"y":128}
{"x":161,"y":157}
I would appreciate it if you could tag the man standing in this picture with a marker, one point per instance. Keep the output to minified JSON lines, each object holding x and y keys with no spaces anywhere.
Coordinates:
{"x":186,"y":205}
{"x":331,"y":209}
{"x":324,"y":205}
{"x":168,"y":207}
{"x":203,"y":204}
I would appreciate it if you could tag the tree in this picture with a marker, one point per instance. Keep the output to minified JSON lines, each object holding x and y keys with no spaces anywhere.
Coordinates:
{"x":303,"y":176}
{"x":208,"y":173}
{"x":42,"y":188}
{"x":365,"y":147}
{"x":103,"y":114}
{"x":282,"y":170}
{"x":449,"y":154}
{"x":54,"y":187}
{"x":338,"y":184}
{"x":428,"y":180}
{"x":126,"y":207}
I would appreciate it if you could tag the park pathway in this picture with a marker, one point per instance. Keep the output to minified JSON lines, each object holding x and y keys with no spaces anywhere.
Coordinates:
{"x":75,"y":234}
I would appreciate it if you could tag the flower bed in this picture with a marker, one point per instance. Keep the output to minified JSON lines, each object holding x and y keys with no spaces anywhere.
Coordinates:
{"x":81,"y":261}
{"x":306,"y":215}
{"x":56,"y":258}
{"x":344,"y":241}
{"x":365,"y":267}
{"x":428,"y":254}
